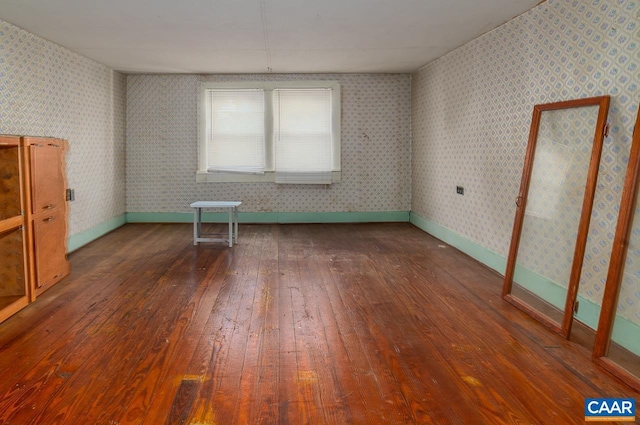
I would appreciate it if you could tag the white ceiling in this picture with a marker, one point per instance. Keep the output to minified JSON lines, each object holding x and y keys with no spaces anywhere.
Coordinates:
{"x":258,"y":36}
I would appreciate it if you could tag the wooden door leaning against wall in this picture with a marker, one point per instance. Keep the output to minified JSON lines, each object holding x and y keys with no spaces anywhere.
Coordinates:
{"x":617,"y":344}
{"x":554,"y":204}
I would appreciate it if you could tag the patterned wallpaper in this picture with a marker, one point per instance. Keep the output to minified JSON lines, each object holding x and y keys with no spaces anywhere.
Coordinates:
{"x":162,"y":144}
{"x":472,"y":111}
{"x":47,"y":90}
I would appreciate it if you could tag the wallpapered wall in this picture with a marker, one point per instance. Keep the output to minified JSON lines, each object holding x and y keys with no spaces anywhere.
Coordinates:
{"x":472,"y":111}
{"x":47,"y":90}
{"x":162,"y":146}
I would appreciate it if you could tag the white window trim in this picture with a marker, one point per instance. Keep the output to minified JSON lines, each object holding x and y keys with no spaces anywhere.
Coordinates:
{"x":202,"y":175}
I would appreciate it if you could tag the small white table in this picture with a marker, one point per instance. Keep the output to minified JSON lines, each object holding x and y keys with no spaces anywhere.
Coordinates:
{"x":232,"y":208}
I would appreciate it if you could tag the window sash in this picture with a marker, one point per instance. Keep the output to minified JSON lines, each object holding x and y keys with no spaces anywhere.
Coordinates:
{"x":235,"y":135}
{"x":303,"y":135}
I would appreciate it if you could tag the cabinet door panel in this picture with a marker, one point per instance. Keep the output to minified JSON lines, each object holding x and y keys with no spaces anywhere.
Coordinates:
{"x":10,"y":199}
{"x":12,"y":272}
{"x":47,"y":184}
{"x":51,"y":263}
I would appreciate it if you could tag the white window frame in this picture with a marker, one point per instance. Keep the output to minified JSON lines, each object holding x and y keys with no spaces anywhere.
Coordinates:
{"x":203,"y":175}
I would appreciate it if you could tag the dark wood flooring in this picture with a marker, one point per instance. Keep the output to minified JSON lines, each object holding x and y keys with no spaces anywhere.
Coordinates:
{"x":296,"y":324}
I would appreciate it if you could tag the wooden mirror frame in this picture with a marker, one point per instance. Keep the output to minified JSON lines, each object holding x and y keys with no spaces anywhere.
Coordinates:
{"x":617,"y":263}
{"x":583,"y":227}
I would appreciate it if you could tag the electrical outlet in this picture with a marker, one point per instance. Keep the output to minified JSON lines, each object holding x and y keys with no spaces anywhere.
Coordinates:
{"x":460,"y":190}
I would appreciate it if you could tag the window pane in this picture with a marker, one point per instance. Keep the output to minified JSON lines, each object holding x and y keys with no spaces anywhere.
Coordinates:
{"x":303,"y":133}
{"x":235,"y":131}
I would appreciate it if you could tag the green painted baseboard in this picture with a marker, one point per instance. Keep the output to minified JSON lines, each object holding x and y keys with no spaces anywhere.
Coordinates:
{"x":273,"y":217}
{"x":546,"y":289}
{"x":472,"y":249}
{"x":81,"y":239}
{"x":624,"y":333}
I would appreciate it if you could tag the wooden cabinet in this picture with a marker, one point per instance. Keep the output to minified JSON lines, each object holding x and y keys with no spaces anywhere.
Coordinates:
{"x":47,"y":212}
{"x":14,"y":284}
{"x":33,"y":219}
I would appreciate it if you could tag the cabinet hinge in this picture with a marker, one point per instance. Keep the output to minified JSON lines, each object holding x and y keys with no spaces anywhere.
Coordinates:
{"x":605,"y":131}
{"x":576,"y":306}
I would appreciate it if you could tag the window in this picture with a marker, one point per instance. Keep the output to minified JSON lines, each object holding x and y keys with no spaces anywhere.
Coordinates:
{"x":236,"y":124}
{"x":287,"y":132}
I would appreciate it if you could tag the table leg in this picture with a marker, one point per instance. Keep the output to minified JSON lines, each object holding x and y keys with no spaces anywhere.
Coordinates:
{"x":230,"y":227}
{"x":195,"y":226}
{"x":235,"y":210}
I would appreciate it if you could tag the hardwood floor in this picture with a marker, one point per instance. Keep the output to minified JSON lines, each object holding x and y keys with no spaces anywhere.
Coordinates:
{"x":296,"y":324}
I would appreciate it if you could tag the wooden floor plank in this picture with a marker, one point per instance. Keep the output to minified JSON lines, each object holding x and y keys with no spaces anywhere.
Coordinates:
{"x":391,"y":406}
{"x":231,"y":315}
{"x":292,"y":392}
{"x":320,"y":324}
{"x":358,"y":386}
{"x":259,"y":379}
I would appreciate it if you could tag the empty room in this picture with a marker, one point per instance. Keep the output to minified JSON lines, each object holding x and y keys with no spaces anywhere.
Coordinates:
{"x":319,"y":212}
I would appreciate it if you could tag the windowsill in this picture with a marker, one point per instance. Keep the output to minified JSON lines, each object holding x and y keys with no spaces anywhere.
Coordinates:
{"x":267,"y":177}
